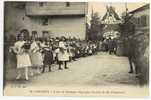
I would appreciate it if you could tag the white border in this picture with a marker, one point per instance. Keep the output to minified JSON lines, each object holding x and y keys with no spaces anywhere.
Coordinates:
{"x":51,"y":98}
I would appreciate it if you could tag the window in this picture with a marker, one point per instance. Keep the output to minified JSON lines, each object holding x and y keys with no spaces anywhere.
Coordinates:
{"x":45,"y":34}
{"x":34,"y":33}
{"x":143,"y":20}
{"x":139,"y":21}
{"x":41,"y":4}
{"x":44,"y":20}
{"x":20,"y":5}
{"x":147,"y":20}
{"x":67,"y":4}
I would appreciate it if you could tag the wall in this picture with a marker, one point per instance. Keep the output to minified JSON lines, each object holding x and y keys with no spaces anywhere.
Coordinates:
{"x":16,"y":19}
{"x":55,"y":8}
{"x":141,"y":38}
{"x":138,"y":15}
{"x":61,"y":26}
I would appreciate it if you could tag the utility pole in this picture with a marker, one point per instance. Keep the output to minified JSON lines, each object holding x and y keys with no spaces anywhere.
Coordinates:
{"x":126,"y":11}
{"x":126,"y":7}
{"x":92,"y":12}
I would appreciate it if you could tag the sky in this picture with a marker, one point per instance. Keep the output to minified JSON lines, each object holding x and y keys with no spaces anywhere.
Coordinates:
{"x":100,"y":7}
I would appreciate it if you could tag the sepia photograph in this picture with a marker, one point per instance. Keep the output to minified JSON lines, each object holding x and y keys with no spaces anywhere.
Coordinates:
{"x":57,"y":48}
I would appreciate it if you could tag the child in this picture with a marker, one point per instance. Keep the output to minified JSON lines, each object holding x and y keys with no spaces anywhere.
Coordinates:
{"x":63,"y":56}
{"x":48,"y":56}
{"x":35,"y":54}
{"x":23,"y":59}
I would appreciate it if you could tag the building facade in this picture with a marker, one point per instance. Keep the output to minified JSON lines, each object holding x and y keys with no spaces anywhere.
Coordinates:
{"x":141,"y":19}
{"x":141,"y":38}
{"x":54,"y":19}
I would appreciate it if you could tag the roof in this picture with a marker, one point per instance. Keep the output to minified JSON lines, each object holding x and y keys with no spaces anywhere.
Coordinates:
{"x":140,"y":9}
{"x":110,"y":12}
{"x":111,"y":17}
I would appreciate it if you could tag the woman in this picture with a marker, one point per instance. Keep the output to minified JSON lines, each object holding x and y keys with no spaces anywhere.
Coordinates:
{"x":63,"y":55}
{"x":35,"y":54}
{"x":23,"y":59}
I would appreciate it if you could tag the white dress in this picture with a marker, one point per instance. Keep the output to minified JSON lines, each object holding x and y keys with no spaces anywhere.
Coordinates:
{"x":35,"y":55}
{"x":63,"y":56}
{"x":23,"y":58}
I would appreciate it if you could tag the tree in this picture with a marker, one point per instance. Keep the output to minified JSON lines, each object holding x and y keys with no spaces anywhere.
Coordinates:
{"x":127,"y":28}
{"x":87,"y":31}
{"x":95,"y":27}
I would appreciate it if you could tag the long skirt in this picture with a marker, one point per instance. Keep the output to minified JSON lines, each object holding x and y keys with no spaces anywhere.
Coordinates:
{"x":36,"y":59}
{"x":23,"y":60}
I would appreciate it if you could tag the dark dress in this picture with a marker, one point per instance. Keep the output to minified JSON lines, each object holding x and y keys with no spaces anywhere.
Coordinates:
{"x":48,"y":57}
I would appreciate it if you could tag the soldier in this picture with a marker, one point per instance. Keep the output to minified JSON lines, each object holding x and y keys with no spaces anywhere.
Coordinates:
{"x":112,"y":46}
{"x":131,"y":53}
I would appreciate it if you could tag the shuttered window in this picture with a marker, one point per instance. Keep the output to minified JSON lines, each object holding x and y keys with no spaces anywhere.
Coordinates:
{"x":41,"y":4}
{"x":45,"y":20}
{"x":143,"y":20}
{"x":34,"y":33}
{"x":45,"y":34}
{"x":67,"y":4}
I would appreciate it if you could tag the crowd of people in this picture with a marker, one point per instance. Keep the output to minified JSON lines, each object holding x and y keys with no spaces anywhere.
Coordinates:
{"x":108,"y":45}
{"x":41,"y":53}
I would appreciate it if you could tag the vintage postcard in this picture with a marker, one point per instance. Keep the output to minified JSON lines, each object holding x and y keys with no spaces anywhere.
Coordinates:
{"x":76,"y":49}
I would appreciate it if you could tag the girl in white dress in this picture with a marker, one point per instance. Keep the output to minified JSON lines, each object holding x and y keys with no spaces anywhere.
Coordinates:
{"x":23,"y":59}
{"x":36,"y":55}
{"x":63,"y":55}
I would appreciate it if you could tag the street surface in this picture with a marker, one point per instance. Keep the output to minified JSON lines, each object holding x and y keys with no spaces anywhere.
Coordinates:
{"x":96,"y":70}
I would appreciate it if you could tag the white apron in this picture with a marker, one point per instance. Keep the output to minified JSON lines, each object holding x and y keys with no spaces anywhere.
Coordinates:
{"x":63,"y":56}
{"x":35,"y":55}
{"x":23,"y":58}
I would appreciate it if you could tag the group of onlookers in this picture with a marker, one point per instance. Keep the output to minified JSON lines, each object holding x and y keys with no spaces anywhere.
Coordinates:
{"x":108,"y":45}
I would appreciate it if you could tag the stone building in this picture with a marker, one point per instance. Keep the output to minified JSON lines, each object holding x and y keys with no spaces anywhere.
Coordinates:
{"x":141,"y":19}
{"x":53,"y":19}
{"x":141,"y":38}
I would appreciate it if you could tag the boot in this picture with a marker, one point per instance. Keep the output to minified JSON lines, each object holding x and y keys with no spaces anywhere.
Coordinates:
{"x":130,"y":71}
{"x":66,"y":67}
